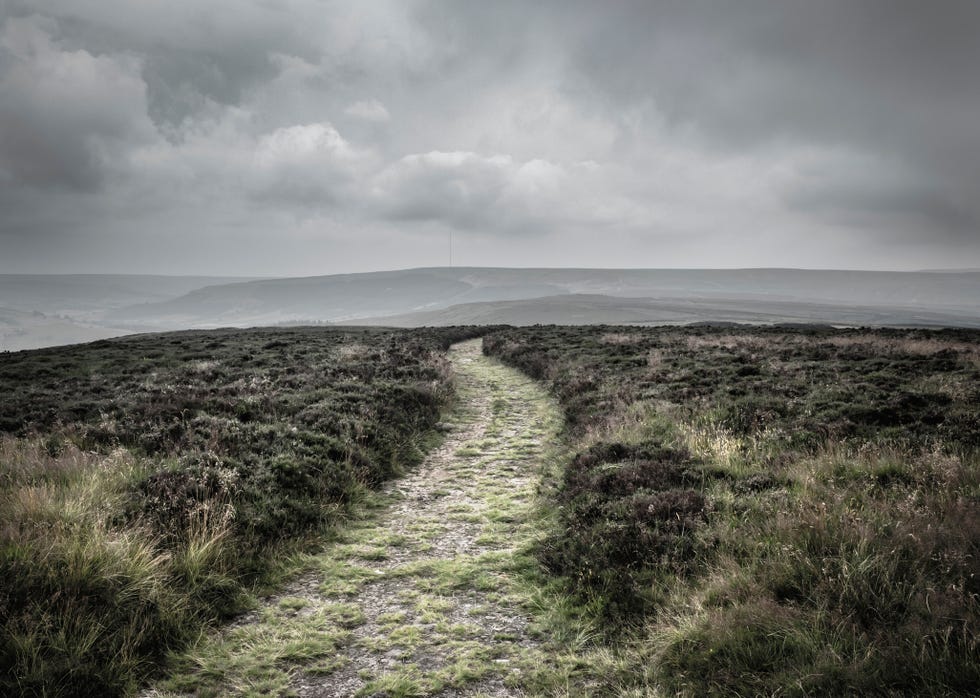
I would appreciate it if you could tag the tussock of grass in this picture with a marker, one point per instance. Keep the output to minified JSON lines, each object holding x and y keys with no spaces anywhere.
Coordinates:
{"x":865,"y":580}
{"x":88,"y":606}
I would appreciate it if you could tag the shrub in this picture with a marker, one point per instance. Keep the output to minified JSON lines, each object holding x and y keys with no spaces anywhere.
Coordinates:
{"x":626,"y":515}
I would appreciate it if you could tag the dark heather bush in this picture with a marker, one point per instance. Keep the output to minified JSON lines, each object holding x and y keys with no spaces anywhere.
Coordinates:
{"x":625,"y":510}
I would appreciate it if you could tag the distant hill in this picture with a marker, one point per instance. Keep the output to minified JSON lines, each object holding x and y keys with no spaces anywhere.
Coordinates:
{"x":580,"y":309}
{"x":952,"y":271}
{"x":90,"y":295}
{"x":381,"y":295}
{"x":275,"y":301}
{"x":44,"y":310}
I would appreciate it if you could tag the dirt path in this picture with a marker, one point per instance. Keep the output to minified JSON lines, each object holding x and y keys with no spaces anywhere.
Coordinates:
{"x":419,"y":598}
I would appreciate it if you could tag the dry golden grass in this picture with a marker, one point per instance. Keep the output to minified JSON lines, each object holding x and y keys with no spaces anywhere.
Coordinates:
{"x":902,"y":345}
{"x":619,"y":338}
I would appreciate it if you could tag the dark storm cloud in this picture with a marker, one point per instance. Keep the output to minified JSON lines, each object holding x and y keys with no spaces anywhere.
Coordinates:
{"x":684,"y":132}
{"x":180,"y":85}
{"x":899,"y":80}
{"x":64,"y":115}
{"x":758,"y":70}
{"x":916,"y":207}
{"x":191,"y":54}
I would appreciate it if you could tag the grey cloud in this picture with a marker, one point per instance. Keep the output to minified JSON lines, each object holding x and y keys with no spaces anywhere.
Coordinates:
{"x":309,"y":164}
{"x":758,"y":69}
{"x":458,"y":188}
{"x":496,"y":193}
{"x":369,"y":110}
{"x":895,"y":80}
{"x":192,"y":54}
{"x":891,"y":79}
{"x":65,"y":115}
{"x":181,"y":84}
{"x":895,"y":209}
{"x":691,"y":131}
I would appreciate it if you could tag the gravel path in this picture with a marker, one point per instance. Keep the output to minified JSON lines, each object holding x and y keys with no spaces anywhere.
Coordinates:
{"x":420,"y":597}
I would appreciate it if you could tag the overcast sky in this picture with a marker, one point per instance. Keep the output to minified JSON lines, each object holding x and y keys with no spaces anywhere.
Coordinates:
{"x":301,"y":137}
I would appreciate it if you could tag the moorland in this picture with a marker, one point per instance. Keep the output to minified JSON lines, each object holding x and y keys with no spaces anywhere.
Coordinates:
{"x":147,"y":482}
{"x":766,"y":511}
{"x":725,"y":510}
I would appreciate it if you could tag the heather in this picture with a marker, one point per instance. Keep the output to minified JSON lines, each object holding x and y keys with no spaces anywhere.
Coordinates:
{"x":765,"y":511}
{"x":148,"y":484}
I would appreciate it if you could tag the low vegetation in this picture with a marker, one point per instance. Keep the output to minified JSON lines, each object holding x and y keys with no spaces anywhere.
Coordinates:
{"x":421,"y":594}
{"x":754,"y":511}
{"x":147,"y":483}
{"x":730,"y":511}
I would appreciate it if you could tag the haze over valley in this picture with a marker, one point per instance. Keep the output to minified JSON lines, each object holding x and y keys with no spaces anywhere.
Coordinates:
{"x":42,"y":310}
{"x":39,"y":310}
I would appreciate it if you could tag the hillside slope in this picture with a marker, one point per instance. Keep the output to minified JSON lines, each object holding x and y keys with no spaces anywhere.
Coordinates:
{"x":582,"y":309}
{"x":89,"y":295}
{"x":717,"y":295}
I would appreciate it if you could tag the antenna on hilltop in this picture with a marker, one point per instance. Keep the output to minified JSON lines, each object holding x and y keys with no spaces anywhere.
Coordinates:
{"x":450,"y":247}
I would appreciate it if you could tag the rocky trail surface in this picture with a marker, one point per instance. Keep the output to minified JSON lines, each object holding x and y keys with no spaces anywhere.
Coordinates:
{"x":421,"y":596}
